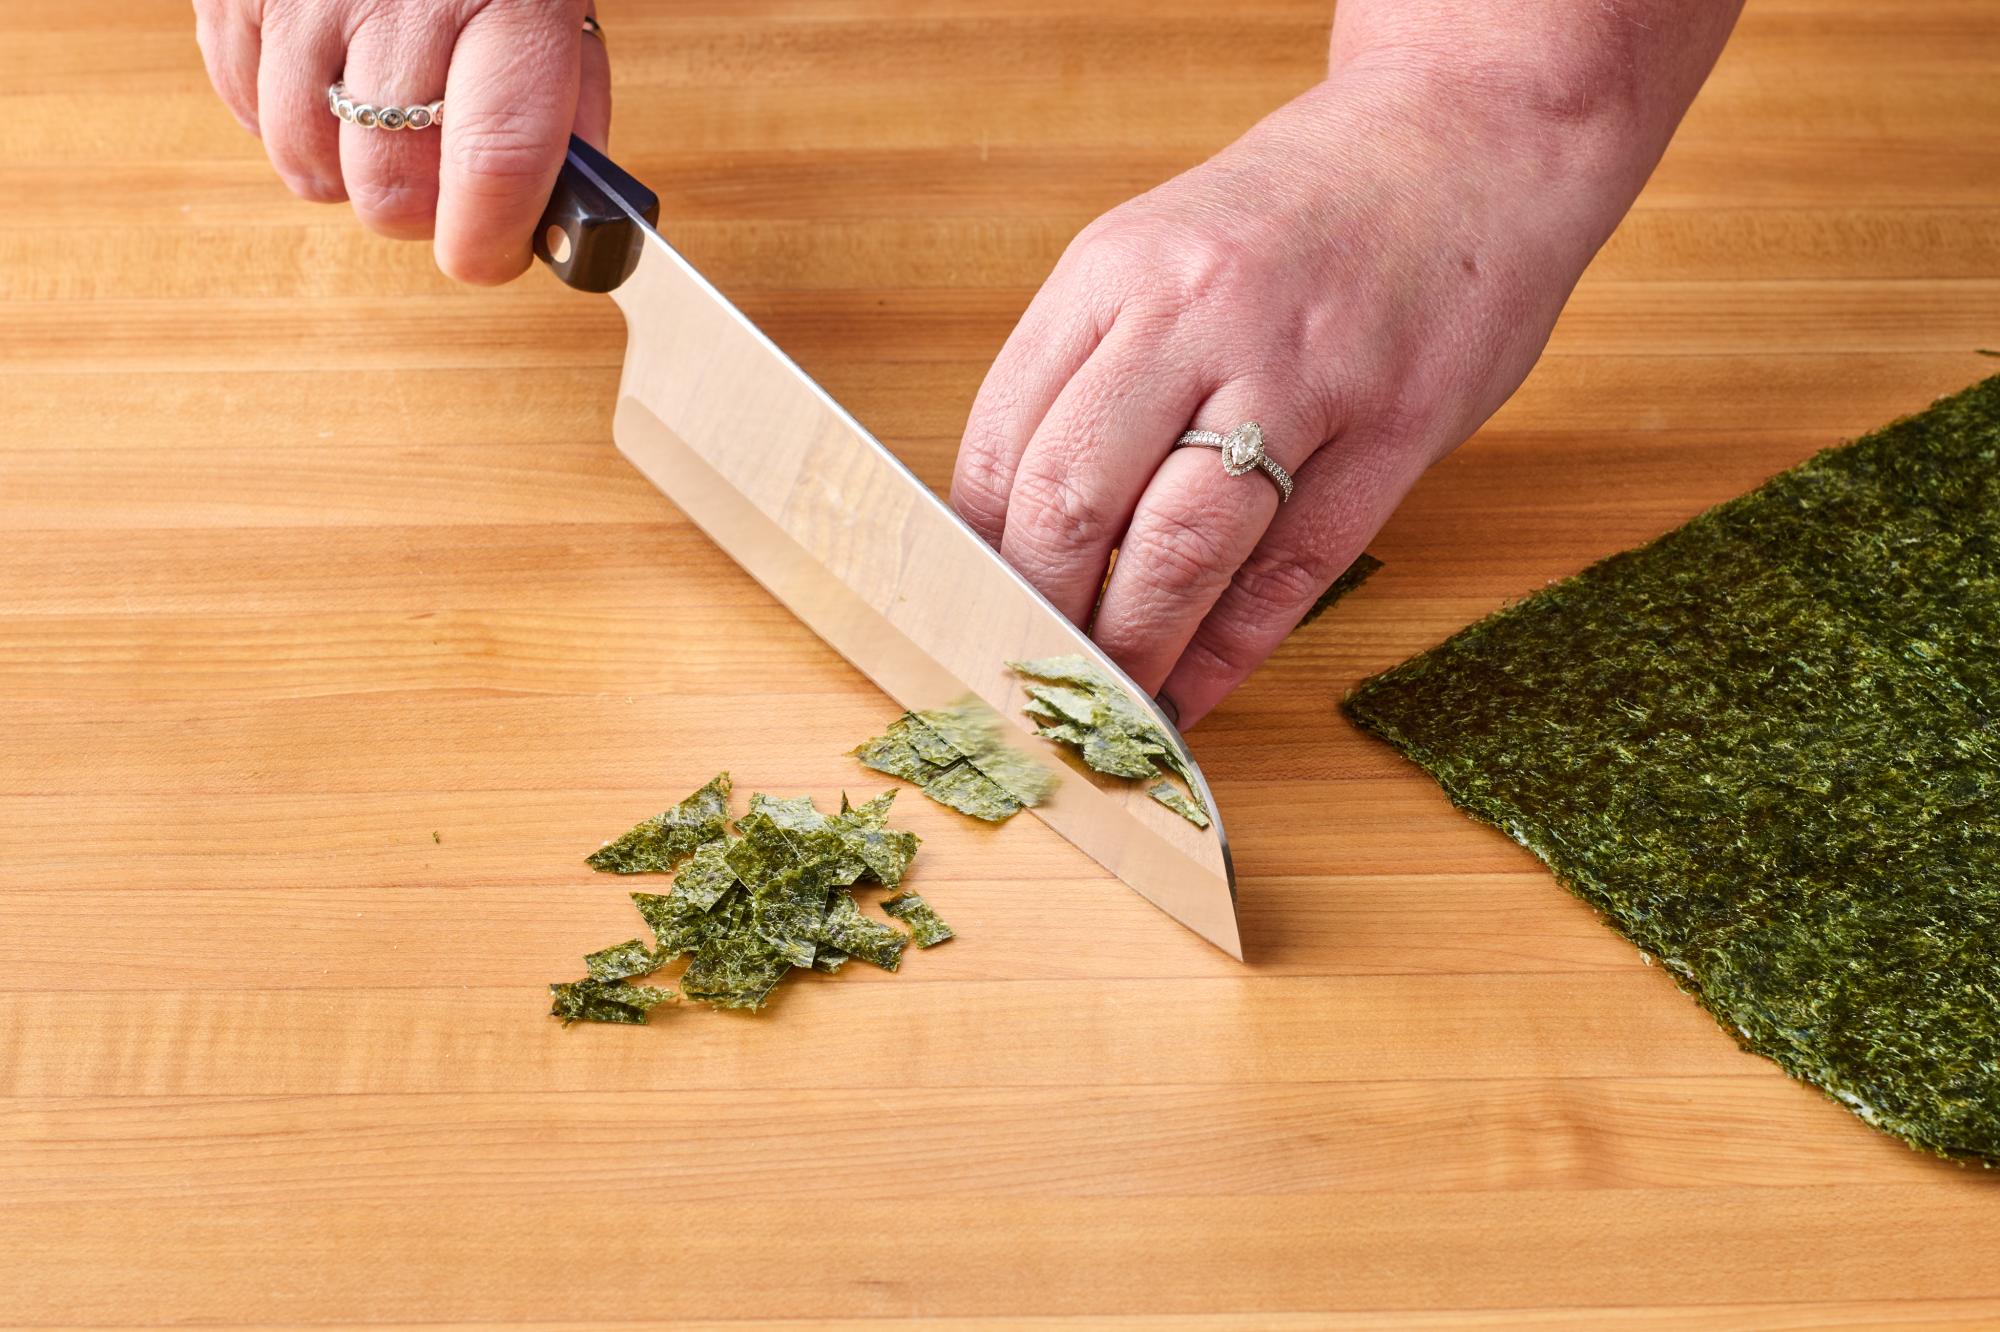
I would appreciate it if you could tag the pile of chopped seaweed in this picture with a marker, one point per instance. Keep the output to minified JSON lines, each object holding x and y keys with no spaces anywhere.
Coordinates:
{"x":1767,"y":748}
{"x":751,"y":906}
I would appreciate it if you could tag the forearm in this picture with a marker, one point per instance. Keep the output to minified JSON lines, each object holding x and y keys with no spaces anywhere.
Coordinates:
{"x":1595,"y":86}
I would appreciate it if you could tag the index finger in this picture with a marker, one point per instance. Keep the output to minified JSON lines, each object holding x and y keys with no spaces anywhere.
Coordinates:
{"x":509,"y":104}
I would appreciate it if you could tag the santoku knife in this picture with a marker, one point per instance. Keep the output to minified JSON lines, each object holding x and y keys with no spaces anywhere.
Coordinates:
{"x":835,"y":527}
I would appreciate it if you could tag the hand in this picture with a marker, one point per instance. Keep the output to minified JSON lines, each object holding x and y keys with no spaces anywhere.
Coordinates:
{"x":517,"y":77}
{"x":1368,"y":274}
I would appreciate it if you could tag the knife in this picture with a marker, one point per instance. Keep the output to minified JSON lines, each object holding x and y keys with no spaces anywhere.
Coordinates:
{"x":832,"y":524}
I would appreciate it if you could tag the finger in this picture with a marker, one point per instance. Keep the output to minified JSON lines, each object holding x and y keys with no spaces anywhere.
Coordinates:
{"x":229,"y":46}
{"x":1056,"y":335}
{"x":1195,"y":525}
{"x":397,"y":59}
{"x":300,"y":57}
{"x":593,"y":100}
{"x":1087,"y":463}
{"x":1344,"y":495}
{"x":510,"y":101}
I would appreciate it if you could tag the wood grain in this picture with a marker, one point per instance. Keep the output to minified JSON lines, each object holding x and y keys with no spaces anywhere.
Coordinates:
{"x":333,"y":631}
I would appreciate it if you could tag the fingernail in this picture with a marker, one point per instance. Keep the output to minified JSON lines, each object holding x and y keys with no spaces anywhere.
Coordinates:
{"x":1168,"y":706}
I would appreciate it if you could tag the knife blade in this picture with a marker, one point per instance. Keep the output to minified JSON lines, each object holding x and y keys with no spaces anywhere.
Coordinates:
{"x":834,"y":526}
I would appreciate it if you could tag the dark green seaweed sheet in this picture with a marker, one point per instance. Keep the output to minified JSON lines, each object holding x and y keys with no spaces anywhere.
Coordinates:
{"x":1353,"y":576}
{"x":1767,"y":748}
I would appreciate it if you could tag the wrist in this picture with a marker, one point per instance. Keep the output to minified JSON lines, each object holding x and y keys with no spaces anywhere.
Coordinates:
{"x":1571,"y":167}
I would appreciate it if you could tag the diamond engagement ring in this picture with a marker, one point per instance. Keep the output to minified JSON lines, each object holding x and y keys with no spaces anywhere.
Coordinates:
{"x":1242,"y":450}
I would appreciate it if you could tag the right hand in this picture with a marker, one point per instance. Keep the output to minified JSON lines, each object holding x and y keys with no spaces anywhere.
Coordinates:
{"x":517,"y":78}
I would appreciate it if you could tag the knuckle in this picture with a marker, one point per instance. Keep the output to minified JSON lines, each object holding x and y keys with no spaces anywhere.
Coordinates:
{"x":393,"y":203}
{"x":1276,"y":584}
{"x":1051,"y":513}
{"x":1217,"y":657}
{"x":978,"y":488}
{"x":1212,"y":265}
{"x":504,"y":151}
{"x":1177,"y":556}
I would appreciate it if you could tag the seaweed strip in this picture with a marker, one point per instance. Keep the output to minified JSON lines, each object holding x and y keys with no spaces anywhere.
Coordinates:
{"x":660,"y":843}
{"x":957,"y":757}
{"x":1353,"y":576}
{"x":600,"y":1001}
{"x":1174,"y":800}
{"x":848,"y":931}
{"x":927,"y":928}
{"x":631,"y":958}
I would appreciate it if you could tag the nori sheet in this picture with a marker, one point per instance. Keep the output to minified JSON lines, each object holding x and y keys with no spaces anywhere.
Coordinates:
{"x":1767,"y":748}
{"x":1353,"y":576}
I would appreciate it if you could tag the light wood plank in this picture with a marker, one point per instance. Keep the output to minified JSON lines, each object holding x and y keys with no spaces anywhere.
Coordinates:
{"x":333,"y":632}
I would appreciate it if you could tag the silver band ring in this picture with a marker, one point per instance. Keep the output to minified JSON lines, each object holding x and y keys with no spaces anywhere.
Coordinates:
{"x":421,"y":116}
{"x":1242,"y":451}
{"x":418,"y":116}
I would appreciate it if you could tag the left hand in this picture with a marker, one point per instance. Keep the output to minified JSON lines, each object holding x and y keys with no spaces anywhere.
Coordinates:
{"x":1368,"y":274}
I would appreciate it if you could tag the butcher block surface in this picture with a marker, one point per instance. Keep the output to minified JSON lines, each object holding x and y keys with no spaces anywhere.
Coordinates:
{"x":334,"y":632}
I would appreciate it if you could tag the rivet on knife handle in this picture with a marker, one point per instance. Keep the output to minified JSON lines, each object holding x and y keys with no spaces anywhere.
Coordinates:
{"x":588,"y":234}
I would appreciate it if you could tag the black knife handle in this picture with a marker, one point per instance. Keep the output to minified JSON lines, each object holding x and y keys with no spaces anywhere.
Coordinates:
{"x":590,"y":234}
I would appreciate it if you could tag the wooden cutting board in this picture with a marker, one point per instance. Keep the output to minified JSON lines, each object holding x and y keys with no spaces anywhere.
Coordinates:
{"x":333,"y":632}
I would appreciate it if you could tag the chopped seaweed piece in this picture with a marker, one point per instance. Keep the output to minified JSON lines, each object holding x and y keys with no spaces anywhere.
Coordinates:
{"x":850,"y":932}
{"x":658,"y":844}
{"x":601,"y":1001}
{"x":705,"y":876}
{"x":927,"y":928}
{"x":631,"y":958}
{"x":1117,"y":752}
{"x":886,"y":851}
{"x":733,"y":967}
{"x":1766,"y":748}
{"x":787,"y":911}
{"x":1353,"y":576}
{"x":1080,"y":706}
{"x":957,"y":757}
{"x":678,"y":924}
{"x":795,"y":815}
{"x":1174,"y":800}
{"x":969,"y":791}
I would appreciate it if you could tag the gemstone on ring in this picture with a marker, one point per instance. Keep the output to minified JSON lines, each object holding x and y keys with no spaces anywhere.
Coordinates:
{"x":417,"y":117}
{"x":390,"y":118}
{"x":364,"y":116}
{"x":1243,"y":448}
{"x":1242,"y":451}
